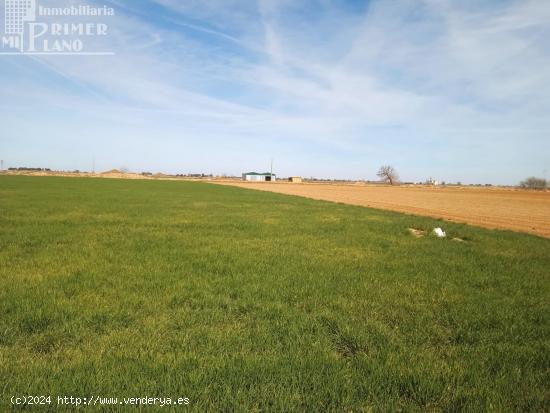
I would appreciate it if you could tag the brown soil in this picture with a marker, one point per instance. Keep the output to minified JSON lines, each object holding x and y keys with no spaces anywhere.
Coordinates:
{"x":517,"y":210}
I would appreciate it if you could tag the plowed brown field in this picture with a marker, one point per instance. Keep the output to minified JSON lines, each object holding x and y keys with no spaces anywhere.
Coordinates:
{"x":517,"y":210}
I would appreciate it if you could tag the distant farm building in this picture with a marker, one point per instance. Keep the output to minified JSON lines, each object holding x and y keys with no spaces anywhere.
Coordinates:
{"x":259,"y":177}
{"x":295,"y":179}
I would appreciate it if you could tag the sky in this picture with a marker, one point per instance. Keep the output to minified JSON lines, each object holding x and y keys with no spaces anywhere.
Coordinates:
{"x":454,"y":90}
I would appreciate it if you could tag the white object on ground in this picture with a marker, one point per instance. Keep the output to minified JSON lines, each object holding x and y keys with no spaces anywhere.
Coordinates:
{"x":439,"y":232}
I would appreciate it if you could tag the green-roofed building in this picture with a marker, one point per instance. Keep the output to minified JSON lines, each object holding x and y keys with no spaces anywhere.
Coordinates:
{"x":259,"y":176}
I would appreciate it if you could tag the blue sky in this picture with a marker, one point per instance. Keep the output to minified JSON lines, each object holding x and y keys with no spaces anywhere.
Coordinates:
{"x":455,"y":90}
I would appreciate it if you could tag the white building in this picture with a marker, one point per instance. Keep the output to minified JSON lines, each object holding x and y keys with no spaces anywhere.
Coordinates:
{"x":259,"y":177}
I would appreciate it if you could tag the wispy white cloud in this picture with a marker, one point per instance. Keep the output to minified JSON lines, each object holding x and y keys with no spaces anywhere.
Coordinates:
{"x":419,"y":84}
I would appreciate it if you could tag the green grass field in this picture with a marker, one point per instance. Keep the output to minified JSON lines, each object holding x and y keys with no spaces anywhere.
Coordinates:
{"x":249,"y":301}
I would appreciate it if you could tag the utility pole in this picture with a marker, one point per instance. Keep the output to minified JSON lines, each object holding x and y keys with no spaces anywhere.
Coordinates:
{"x":93,"y":165}
{"x":2,"y":165}
{"x":271,"y":171}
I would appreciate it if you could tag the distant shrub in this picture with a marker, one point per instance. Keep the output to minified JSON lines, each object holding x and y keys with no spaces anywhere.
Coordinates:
{"x":26,"y":169}
{"x":534,"y":183}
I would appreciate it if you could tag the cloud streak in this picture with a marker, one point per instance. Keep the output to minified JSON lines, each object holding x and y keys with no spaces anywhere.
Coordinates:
{"x":331,"y":89}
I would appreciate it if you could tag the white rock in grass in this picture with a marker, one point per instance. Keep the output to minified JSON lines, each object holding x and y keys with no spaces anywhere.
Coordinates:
{"x":439,"y":232}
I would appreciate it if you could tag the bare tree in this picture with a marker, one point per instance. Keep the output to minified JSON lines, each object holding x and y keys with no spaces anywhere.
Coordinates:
{"x":388,"y":174}
{"x":534,"y":183}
